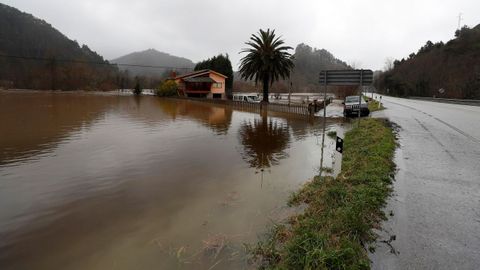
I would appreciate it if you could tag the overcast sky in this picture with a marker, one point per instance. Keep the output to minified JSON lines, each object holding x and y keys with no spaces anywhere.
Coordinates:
{"x":361,"y":32}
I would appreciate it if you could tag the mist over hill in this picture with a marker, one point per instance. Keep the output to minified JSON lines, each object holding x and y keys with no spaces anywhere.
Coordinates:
{"x":33,"y":54}
{"x":450,"y":70}
{"x":152,"y":57}
{"x":308,"y":64}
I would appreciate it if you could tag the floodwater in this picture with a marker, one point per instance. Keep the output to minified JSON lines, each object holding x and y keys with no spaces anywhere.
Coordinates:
{"x":101,"y":181}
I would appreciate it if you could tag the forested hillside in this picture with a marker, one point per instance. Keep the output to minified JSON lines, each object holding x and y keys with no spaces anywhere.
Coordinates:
{"x":450,"y":70}
{"x":153,"y":58}
{"x":308,"y":64}
{"x":35,"y":55}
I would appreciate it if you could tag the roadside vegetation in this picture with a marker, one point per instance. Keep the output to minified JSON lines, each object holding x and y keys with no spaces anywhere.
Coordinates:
{"x":335,"y":229}
{"x":374,"y":105}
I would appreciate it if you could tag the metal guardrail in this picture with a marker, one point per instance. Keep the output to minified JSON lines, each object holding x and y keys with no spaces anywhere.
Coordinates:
{"x":474,"y":102}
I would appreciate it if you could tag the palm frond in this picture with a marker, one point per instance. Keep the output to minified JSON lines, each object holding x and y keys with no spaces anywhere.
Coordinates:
{"x":267,"y":58}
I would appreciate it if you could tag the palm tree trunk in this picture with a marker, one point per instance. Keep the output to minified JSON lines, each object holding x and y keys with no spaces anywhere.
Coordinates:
{"x":266,"y":81}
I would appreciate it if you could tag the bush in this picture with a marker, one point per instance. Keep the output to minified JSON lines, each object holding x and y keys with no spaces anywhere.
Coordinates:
{"x":167,"y":89}
{"x":137,"y":90}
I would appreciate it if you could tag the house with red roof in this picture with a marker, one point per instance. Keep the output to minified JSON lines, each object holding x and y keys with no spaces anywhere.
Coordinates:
{"x":202,"y":84}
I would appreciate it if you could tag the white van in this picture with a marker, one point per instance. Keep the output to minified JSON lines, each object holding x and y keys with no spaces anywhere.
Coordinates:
{"x":246,"y":97}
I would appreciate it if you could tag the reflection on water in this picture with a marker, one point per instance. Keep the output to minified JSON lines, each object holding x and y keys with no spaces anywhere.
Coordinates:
{"x":216,"y":118}
{"x":31,"y":123}
{"x":264,"y":141}
{"x":99,"y":181}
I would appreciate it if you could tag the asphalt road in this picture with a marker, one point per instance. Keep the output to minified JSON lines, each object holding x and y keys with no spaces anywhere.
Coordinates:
{"x":434,"y":214}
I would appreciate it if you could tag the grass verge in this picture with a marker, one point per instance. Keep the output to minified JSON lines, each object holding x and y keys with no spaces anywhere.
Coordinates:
{"x":335,"y":229}
{"x":373,"y":106}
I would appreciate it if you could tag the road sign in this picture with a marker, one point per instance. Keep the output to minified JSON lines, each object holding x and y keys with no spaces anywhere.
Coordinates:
{"x":346,"y":77}
{"x":357,"y":77}
{"x":337,"y":156}
{"x":339,"y":145}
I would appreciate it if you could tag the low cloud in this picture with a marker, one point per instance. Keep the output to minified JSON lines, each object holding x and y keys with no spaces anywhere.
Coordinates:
{"x":361,"y":32}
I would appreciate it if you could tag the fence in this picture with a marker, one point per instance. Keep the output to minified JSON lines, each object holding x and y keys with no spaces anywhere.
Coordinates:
{"x":302,"y":109}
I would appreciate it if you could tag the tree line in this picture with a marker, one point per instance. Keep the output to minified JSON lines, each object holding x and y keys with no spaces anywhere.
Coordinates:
{"x":221,"y":64}
{"x":450,"y":70}
{"x":33,"y":54}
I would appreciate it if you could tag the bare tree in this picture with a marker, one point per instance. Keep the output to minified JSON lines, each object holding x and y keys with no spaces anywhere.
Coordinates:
{"x":388,"y":64}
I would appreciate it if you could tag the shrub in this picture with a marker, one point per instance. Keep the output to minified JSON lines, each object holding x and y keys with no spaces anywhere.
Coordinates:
{"x":167,"y":89}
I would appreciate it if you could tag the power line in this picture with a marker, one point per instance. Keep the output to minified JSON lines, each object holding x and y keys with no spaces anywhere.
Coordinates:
{"x":106,"y":63}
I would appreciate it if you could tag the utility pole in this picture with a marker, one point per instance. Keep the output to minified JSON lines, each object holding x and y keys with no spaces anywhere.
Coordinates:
{"x":290,"y":93}
{"x":460,"y":20}
{"x":324,"y":121}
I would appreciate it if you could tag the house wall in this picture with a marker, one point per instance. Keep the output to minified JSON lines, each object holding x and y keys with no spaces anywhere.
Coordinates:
{"x":221,"y":80}
{"x":181,"y":86}
{"x":213,"y":90}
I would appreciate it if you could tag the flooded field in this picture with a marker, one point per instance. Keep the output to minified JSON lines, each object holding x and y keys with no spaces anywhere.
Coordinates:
{"x":100,"y":181}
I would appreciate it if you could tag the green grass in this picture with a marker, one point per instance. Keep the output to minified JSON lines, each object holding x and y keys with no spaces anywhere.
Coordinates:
{"x":335,"y":229}
{"x":373,"y":106}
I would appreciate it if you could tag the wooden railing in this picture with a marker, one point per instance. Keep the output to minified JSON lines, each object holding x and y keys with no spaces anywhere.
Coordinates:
{"x":302,"y":109}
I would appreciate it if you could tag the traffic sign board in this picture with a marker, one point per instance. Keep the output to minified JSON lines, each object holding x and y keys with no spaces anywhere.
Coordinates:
{"x":346,"y":77}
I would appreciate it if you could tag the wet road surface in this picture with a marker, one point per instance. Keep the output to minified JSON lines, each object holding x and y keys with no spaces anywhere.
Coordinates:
{"x":434,"y":214}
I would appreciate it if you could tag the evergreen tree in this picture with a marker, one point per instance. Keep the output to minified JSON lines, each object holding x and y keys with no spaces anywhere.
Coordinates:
{"x":221,"y":64}
{"x":137,"y":90}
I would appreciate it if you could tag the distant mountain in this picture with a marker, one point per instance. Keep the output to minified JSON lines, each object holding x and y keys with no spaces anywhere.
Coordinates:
{"x":450,"y":70}
{"x":33,"y":54}
{"x":308,"y":64}
{"x":152,"y":57}
{"x":304,"y":77}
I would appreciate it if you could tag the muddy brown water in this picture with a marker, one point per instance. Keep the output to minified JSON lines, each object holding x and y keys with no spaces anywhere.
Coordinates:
{"x":100,"y":181}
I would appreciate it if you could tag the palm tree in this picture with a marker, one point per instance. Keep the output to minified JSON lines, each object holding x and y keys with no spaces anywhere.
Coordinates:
{"x":267,"y":60}
{"x":264,"y":142}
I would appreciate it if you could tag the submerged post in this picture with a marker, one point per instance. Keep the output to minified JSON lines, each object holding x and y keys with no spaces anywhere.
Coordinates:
{"x":324,"y":121}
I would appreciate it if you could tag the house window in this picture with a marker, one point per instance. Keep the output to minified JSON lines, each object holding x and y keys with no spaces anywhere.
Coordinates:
{"x":217,"y":85}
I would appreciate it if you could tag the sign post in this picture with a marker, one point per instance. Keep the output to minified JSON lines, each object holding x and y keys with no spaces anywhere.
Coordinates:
{"x":360,"y":97}
{"x":352,"y":77}
{"x":324,"y":122}
{"x":337,"y":157}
